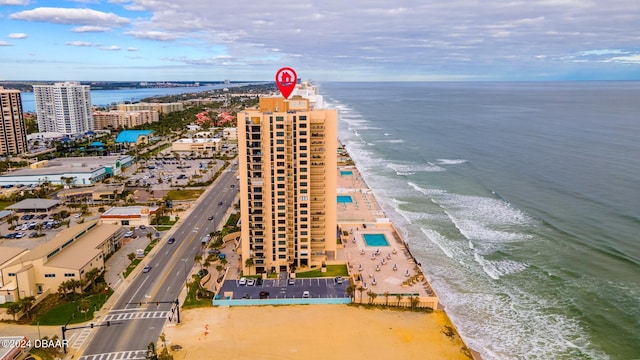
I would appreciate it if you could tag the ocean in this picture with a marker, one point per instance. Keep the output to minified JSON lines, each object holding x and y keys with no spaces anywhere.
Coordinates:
{"x":520,"y":200}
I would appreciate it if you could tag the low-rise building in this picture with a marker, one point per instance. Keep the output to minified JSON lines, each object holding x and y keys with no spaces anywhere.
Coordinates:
{"x":129,"y":215}
{"x":73,"y":253}
{"x":230,"y":133}
{"x":197,"y":145}
{"x":69,"y":171}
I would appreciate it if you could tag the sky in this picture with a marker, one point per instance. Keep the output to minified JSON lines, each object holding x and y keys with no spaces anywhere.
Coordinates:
{"x":323,"y":40}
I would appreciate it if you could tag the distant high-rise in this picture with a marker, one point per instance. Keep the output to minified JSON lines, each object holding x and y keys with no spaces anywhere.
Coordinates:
{"x":64,"y":108}
{"x":288,"y":175}
{"x":13,"y":136}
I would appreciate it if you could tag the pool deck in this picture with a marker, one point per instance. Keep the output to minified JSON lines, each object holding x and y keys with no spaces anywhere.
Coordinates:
{"x":365,"y":216}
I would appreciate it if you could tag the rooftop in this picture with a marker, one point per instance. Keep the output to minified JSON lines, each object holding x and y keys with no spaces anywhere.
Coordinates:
{"x":33,"y":204}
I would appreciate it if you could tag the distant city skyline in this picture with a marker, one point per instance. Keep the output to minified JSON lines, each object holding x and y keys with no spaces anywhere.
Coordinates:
{"x":429,"y":40}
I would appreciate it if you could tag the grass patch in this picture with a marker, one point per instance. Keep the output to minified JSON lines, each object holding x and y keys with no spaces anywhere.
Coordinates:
{"x":332,"y":270}
{"x":131,"y":266}
{"x":184,"y":194}
{"x":60,"y":314}
{"x":4,"y":204}
{"x":163,"y":227}
{"x":194,"y":296}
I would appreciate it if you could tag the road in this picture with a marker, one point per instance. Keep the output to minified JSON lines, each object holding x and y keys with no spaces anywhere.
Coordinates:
{"x":133,"y":325}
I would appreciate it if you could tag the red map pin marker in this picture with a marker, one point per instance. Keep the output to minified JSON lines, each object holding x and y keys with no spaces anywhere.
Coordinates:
{"x":286,"y":79}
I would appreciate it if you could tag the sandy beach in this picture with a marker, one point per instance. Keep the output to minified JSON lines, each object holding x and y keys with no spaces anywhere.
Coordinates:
{"x":312,"y":332}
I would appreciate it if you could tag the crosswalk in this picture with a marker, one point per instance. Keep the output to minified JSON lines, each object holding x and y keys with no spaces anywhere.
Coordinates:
{"x":137,"y":315}
{"x":120,"y":355}
{"x":79,"y":340}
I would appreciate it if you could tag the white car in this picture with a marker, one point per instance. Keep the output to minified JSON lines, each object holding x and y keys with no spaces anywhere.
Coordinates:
{"x":251,"y":282}
{"x":242,"y":281}
{"x":77,"y":215}
{"x":306,"y":295}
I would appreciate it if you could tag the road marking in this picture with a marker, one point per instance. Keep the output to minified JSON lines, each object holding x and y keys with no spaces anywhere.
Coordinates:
{"x":137,"y":315}
{"x":80,"y":339}
{"x":120,"y":355}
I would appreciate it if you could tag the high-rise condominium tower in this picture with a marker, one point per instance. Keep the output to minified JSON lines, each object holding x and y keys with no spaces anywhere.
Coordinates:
{"x":13,"y":137}
{"x":288,"y":175}
{"x":64,"y":108}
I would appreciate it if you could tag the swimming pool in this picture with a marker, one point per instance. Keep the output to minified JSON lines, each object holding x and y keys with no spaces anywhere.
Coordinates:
{"x":346,"y":172}
{"x":375,"y":240}
{"x":344,"y":199}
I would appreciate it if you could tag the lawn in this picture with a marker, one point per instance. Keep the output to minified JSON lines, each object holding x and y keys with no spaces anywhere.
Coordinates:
{"x":332,"y":270}
{"x":192,"y":301}
{"x":60,"y":314}
{"x":184,"y":194}
{"x":4,"y":204}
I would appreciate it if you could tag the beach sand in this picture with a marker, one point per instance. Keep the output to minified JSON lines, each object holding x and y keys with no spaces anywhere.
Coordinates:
{"x":312,"y":332}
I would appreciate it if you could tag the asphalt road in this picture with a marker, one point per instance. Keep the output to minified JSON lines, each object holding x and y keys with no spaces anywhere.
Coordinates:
{"x":133,"y":325}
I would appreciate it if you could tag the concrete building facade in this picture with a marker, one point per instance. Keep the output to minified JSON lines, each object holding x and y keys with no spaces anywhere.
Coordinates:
{"x":288,"y":175}
{"x":13,"y":138}
{"x":163,"y":108}
{"x":70,"y":255}
{"x":64,"y":107}
{"x":118,"y":119}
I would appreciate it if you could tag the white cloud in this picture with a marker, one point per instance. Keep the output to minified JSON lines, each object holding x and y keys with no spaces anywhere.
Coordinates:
{"x":90,"y":28}
{"x":70,"y":16}
{"x":14,"y":2}
{"x":132,"y":49}
{"x":4,"y":43}
{"x":78,"y":43}
{"x":17,"y":36}
{"x":109,"y":48}
{"x":153,"y":35}
{"x":630,"y":59}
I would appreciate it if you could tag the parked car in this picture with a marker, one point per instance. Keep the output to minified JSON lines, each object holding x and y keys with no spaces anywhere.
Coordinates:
{"x":338,"y":280}
{"x":264,"y":294}
{"x":306,"y":295}
{"x":292,"y":281}
{"x":251,"y":282}
{"x":242,"y":281}
{"x":258,"y":281}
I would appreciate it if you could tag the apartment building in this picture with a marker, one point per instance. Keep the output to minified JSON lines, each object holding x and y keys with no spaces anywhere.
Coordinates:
{"x":163,"y":108}
{"x":288,"y":175}
{"x":119,"y":119}
{"x":64,"y":107}
{"x":13,"y":138}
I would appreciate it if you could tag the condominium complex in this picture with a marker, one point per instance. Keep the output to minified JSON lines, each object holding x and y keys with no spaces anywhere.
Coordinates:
{"x":162,"y":108}
{"x":63,"y":107}
{"x":13,"y":138}
{"x":118,"y":119}
{"x":288,"y":174}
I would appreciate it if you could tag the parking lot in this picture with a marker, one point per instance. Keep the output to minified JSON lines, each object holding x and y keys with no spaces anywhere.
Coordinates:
{"x":282,"y":289}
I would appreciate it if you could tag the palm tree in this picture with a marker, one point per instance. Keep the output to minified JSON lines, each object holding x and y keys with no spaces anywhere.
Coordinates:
{"x":386,"y":298}
{"x":351,"y":290}
{"x":249,"y":263}
{"x":399,"y":297}
{"x":198,"y":259}
{"x":13,"y":309}
{"x":372,"y":296}
{"x":92,"y":275}
{"x":360,"y":289}
{"x":26,"y":303}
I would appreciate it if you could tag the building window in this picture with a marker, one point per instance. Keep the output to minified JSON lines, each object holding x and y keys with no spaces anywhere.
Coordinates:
{"x":279,"y":133}
{"x":69,"y":275}
{"x":49,"y":275}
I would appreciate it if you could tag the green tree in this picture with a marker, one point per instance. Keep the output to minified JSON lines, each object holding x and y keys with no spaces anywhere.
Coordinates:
{"x":372,"y":296}
{"x":13,"y":309}
{"x":198,"y":258}
{"x":92,"y":275}
{"x":360,"y":290}
{"x":399,"y":297}
{"x":248,"y":263}
{"x":386,"y":298}
{"x":26,"y":303}
{"x":351,"y":290}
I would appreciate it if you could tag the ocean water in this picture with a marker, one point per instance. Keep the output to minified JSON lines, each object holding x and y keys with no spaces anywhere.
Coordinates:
{"x":521,"y":200}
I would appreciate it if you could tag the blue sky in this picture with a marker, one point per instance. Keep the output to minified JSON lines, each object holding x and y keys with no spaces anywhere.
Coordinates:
{"x":325,"y":40}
